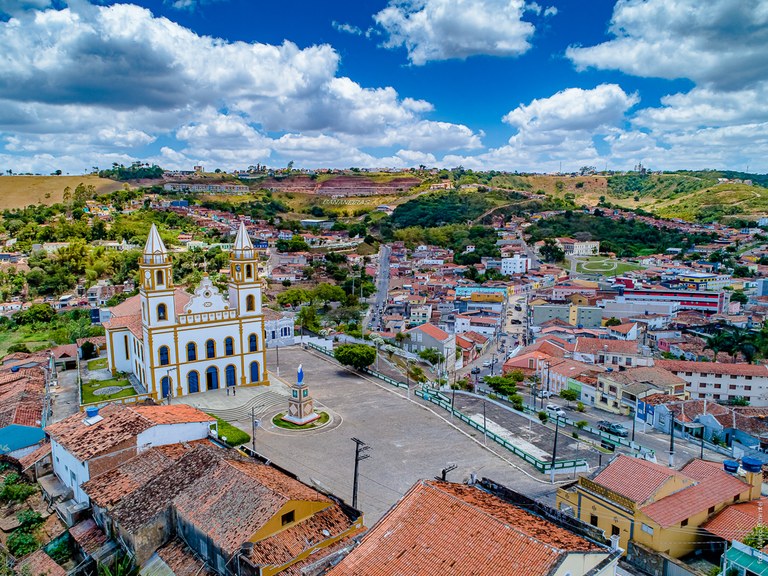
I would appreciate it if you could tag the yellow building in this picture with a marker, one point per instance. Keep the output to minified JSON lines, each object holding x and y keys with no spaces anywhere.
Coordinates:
{"x":656,"y":506}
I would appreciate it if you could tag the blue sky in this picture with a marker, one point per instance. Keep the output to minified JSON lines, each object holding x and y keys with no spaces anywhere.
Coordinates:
{"x":488,"y":84}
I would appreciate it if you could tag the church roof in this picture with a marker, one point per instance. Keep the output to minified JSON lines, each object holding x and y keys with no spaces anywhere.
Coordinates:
{"x":154,"y":247}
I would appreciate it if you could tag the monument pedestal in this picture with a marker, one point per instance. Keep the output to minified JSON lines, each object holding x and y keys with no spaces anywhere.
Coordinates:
{"x":301,"y":406}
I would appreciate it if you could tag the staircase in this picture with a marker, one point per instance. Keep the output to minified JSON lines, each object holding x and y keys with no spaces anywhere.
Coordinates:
{"x":262,"y":403}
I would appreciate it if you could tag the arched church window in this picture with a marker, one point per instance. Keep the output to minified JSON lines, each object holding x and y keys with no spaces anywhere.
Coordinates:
{"x":250,"y":303}
{"x":164,"y":354}
{"x":162,"y":312}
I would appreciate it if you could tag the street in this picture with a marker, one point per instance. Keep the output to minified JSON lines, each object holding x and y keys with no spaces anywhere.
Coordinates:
{"x":382,"y":287}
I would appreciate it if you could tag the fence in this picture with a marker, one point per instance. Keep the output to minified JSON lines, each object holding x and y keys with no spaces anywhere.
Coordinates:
{"x":369,"y":371}
{"x":540,"y":465}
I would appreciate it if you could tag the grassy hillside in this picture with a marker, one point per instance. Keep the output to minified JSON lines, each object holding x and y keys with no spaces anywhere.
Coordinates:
{"x":21,"y":191}
{"x":712,"y":203}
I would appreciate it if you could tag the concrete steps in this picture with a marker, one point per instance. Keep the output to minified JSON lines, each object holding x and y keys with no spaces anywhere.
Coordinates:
{"x":264,"y":402}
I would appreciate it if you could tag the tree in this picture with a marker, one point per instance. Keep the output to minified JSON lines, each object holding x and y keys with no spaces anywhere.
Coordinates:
{"x":88,"y":349}
{"x":326,"y":293}
{"x":358,"y":356}
{"x":569,"y":395}
{"x":308,"y":318}
{"x":551,"y":252}
{"x":739,"y":296}
{"x":18,"y":347}
{"x":612,"y":321}
{"x":719,"y":342}
{"x":757,"y":537}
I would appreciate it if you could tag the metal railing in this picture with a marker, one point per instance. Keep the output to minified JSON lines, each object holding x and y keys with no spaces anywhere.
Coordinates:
{"x":540,"y":465}
{"x":369,"y":371}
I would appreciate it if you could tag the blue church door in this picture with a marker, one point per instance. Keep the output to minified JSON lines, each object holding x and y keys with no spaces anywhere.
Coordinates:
{"x":230,"y":375}
{"x":212,"y":378}
{"x":255,"y":372}
{"x":193,"y":383}
{"x":166,"y":386}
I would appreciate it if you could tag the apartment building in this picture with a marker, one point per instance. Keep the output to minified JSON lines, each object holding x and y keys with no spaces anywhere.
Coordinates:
{"x":722,"y":382}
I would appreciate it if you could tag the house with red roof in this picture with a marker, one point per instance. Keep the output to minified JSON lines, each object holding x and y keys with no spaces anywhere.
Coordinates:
{"x":426,"y":336}
{"x":476,"y":530}
{"x":657,"y":507}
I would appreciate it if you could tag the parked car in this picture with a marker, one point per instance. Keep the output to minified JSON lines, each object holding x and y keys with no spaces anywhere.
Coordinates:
{"x":554,"y":409}
{"x":613,"y":428}
{"x":487,"y":364}
{"x":475,"y":370}
{"x":544,"y":394}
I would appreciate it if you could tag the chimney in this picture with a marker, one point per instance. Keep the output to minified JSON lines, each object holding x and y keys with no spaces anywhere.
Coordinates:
{"x":615,"y":542}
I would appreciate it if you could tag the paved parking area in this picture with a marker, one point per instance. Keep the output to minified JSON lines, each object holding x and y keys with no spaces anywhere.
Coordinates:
{"x":408,"y":440}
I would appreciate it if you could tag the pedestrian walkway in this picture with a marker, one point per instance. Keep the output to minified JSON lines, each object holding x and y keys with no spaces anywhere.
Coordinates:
{"x":240,"y":406}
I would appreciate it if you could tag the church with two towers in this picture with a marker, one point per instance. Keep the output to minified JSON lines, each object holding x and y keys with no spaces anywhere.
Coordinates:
{"x":176,"y":343}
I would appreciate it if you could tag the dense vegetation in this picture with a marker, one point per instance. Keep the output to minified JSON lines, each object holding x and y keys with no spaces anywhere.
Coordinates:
{"x":439,"y":208}
{"x":658,"y":186}
{"x":626,"y":238}
{"x":263,"y":209}
{"x":132,"y":172}
{"x":455,"y":237}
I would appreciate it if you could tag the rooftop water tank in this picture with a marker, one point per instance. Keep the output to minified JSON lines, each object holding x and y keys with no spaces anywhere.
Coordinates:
{"x":15,"y":369}
{"x":731,"y":466}
{"x":751,"y":464}
{"x":91,"y":412}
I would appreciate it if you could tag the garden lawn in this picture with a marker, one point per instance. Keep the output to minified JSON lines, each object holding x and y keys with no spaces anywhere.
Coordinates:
{"x":88,"y":389}
{"x":605,"y":266}
{"x":97,"y":364}
{"x":278,"y":421}
{"x":234,"y":436}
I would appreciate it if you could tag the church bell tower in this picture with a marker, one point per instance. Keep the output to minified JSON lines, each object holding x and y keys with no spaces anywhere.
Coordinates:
{"x":244,"y":284}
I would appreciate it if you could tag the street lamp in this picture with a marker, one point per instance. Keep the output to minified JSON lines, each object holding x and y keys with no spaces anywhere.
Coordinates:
{"x":554,"y":449}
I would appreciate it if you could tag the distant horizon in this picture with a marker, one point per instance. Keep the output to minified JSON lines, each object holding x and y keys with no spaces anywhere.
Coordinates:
{"x":510,"y":85}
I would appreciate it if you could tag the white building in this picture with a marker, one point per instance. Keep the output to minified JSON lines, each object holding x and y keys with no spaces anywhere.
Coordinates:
{"x":721,"y":382}
{"x":279,"y":328}
{"x":515,"y":265}
{"x":83,"y":446}
{"x":175,"y":343}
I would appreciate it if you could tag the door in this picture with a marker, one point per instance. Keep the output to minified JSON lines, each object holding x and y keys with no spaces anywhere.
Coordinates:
{"x":212,"y":378}
{"x":230,"y":375}
{"x":166,"y":386}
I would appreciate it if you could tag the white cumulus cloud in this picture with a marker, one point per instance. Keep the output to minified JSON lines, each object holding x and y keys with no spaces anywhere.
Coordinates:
{"x":446,"y":29}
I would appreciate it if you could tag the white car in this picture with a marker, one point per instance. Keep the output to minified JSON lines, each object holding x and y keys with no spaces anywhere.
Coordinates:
{"x":487,"y":364}
{"x":555,"y":410}
{"x":544,"y":394}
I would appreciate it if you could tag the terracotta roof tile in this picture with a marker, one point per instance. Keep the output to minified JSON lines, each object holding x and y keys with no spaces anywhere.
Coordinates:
{"x":182,"y":560}
{"x":442,"y":528}
{"x":737,"y":520}
{"x":38,"y":454}
{"x":647,"y":477}
{"x":714,"y":368}
{"x":431,"y":330}
{"x":597,"y":345}
{"x":88,"y":536}
{"x":40,"y":563}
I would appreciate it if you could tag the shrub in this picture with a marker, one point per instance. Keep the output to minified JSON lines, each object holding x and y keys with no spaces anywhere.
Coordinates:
{"x":21,"y":543}
{"x":580,"y":407}
{"x":14,"y":490}
{"x":543,"y":416}
{"x":29,"y":520}
{"x":581,"y":424}
{"x":575,"y":434}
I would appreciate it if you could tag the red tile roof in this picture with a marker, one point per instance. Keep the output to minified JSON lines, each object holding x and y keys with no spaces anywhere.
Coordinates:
{"x":714,"y":368}
{"x":39,"y":563}
{"x":88,"y":536}
{"x":737,"y":520}
{"x":598,"y":345}
{"x":646,"y":478}
{"x":431,"y":330}
{"x":442,"y":528}
{"x":182,"y":560}
{"x":119,"y":424}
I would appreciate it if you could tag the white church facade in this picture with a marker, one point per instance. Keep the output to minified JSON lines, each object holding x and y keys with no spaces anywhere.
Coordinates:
{"x":176,"y":343}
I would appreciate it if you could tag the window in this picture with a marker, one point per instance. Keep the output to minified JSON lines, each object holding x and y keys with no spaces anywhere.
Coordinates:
{"x":288,"y":517}
{"x":711,"y":510}
{"x":250,"y":303}
{"x":629,"y":362}
{"x":689,"y":373}
{"x":248,"y":271}
{"x":615,"y":530}
{"x":718,"y":375}
{"x":162,"y":312}
{"x":718,"y":385}
{"x":127,"y":347}
{"x":748,"y":377}
{"x":164,"y":354}
{"x":593,"y":519}
{"x":747,"y":387}
{"x":159,"y":277}
{"x":253,"y":343}
{"x":684,"y":523}
{"x":647,"y":529}
{"x":210,"y":349}
{"x":191,"y":352}
{"x":229,"y":346}
{"x":732,"y":387}
{"x":716,"y":396}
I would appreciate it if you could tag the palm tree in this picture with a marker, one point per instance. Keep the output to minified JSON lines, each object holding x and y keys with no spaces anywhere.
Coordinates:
{"x":718,"y":343}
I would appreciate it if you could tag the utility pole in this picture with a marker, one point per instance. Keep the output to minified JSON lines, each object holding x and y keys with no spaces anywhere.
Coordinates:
{"x":548,"y":392}
{"x":255,"y":423}
{"x":554,"y":449}
{"x":360,"y":454}
{"x":634,"y":421}
{"x":672,"y":442}
{"x":485,"y":427}
{"x":277,"y":350}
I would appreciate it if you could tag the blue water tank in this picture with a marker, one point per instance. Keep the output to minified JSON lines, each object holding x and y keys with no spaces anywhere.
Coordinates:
{"x":91,"y":411}
{"x":15,"y":369}
{"x":731,"y":466}
{"x":751,"y":464}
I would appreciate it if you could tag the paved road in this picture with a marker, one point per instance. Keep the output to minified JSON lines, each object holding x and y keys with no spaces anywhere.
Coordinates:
{"x":382,"y":287}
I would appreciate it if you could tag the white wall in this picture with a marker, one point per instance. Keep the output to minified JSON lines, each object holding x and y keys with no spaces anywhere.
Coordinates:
{"x":65,"y":466}
{"x":172,"y":434}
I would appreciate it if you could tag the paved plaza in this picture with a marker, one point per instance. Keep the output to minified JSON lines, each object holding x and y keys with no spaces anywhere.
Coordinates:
{"x":409,"y":441}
